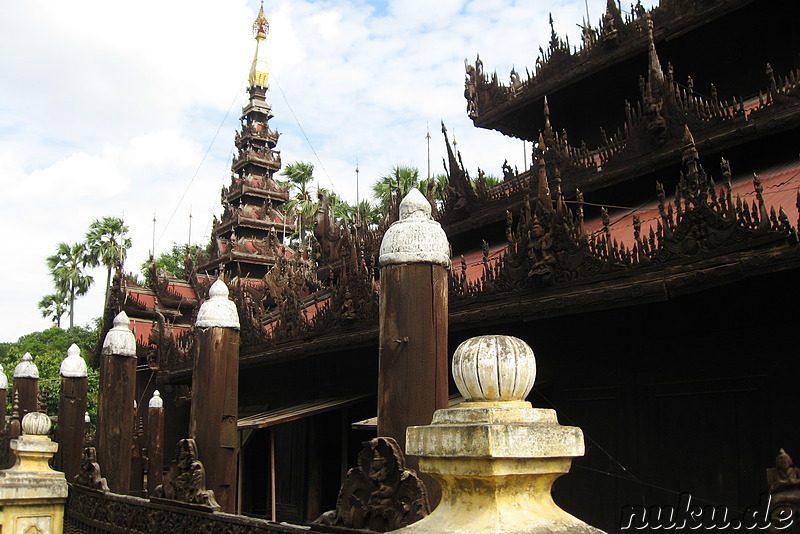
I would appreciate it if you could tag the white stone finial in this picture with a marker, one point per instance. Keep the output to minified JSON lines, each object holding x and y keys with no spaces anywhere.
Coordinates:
{"x":120,"y":340}
{"x":26,"y":368}
{"x":415,"y":206}
{"x":36,"y":424}
{"x":86,"y":418}
{"x":73,"y":365}
{"x":3,"y":378}
{"x":415,"y":238}
{"x":494,"y":368}
{"x":218,"y":310}
{"x":156,"y":401}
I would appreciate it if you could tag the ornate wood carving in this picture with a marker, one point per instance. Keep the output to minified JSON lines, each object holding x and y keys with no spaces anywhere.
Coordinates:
{"x":89,"y":475}
{"x":100,"y":513}
{"x":380,"y":494}
{"x":784,"y":488}
{"x":186,"y":481}
{"x":549,"y":244}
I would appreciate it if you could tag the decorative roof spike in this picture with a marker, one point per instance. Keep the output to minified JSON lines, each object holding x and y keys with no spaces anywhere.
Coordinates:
{"x":655,"y":64}
{"x":259,"y":72}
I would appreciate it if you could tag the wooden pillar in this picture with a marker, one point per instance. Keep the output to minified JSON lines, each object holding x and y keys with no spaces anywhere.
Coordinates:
{"x":115,"y":405}
{"x":412,"y":365}
{"x":155,"y":442}
{"x":215,"y":393}
{"x":26,"y":382}
{"x":71,"y":429}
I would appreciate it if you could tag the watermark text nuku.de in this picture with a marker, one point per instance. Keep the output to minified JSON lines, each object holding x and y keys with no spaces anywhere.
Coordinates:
{"x":695,"y":517}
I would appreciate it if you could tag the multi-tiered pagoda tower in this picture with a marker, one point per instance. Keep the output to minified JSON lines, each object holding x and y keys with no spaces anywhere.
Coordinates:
{"x":248,"y":239}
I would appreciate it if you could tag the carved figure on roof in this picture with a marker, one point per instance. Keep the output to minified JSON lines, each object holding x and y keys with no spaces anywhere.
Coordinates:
{"x":508,"y":172}
{"x":540,"y":243}
{"x":331,"y":237}
{"x":253,"y":180}
{"x":186,"y":481}
{"x":380,"y":494}
{"x":470,"y":91}
{"x":516,"y":83}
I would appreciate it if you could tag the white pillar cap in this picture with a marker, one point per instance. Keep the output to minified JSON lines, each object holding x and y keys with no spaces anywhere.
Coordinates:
{"x":26,"y":368}
{"x":120,"y":340}
{"x":415,"y":238}
{"x":156,"y":401}
{"x":3,"y":378}
{"x":218,"y":310}
{"x":73,"y":365}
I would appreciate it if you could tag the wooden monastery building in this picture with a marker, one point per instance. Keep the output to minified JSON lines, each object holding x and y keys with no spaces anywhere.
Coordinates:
{"x":649,"y":255}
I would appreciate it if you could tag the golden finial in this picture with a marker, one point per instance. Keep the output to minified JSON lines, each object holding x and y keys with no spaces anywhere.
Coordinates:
{"x":259,"y":74}
{"x":261,"y":26}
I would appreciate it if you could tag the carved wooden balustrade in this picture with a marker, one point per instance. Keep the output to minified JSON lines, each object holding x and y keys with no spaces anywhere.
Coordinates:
{"x":96,"y":512}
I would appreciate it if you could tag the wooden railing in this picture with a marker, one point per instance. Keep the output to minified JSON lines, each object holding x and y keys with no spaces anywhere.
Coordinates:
{"x":94,"y":512}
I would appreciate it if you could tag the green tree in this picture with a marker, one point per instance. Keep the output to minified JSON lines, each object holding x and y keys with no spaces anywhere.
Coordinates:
{"x":54,"y":306}
{"x":396,"y":184}
{"x":172,"y":262}
{"x":299,"y":175}
{"x":107,"y":244}
{"x":67,"y":266}
{"x":49,"y":348}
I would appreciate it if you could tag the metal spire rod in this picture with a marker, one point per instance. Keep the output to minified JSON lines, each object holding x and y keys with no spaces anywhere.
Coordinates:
{"x":358,"y":200}
{"x":154,"y":234}
{"x":428,"y":137}
{"x":189,"y":243}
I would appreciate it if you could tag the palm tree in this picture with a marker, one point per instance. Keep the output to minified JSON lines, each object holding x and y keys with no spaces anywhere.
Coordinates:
{"x":107,"y":244}
{"x":67,"y":268}
{"x":397,"y":183}
{"x":299,"y":175}
{"x":54,"y":305}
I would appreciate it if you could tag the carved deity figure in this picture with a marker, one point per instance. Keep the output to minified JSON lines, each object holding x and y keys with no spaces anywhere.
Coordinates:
{"x":187,"y":479}
{"x":540,"y":243}
{"x":784,"y":488}
{"x":89,"y":475}
{"x":380,"y":494}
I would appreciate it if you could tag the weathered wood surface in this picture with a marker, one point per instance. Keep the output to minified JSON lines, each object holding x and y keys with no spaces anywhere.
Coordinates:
{"x":215,"y":394}
{"x":412,"y":381}
{"x":28,"y":389}
{"x":71,"y":428}
{"x":115,"y":430}
{"x":155,"y":448}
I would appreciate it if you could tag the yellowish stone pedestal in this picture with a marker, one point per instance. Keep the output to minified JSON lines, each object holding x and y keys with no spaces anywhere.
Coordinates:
{"x":495,"y":456}
{"x":32,"y":495}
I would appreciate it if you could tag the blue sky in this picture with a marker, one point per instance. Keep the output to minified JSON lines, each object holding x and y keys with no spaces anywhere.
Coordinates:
{"x":109,"y":109}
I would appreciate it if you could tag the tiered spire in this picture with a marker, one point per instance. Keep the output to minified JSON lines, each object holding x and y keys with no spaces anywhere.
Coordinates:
{"x":249,"y":237}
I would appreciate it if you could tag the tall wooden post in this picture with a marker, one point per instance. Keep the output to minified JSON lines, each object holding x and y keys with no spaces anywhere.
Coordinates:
{"x":26,"y":382}
{"x":412,"y":365}
{"x":215,"y":393}
{"x":155,"y":442}
{"x":3,"y":397}
{"x":70,"y":432}
{"x":115,"y":405}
